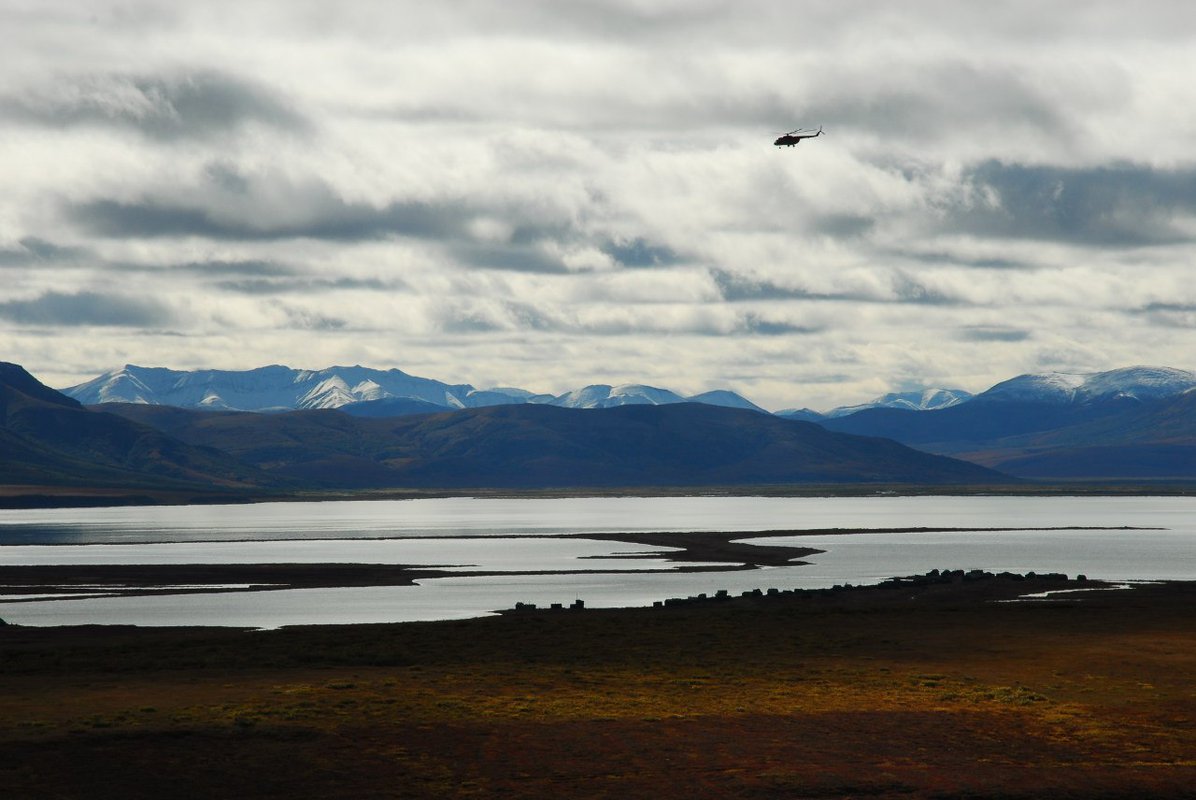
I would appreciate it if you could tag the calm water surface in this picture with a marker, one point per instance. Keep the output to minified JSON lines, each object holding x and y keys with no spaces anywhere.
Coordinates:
{"x":429,"y":532}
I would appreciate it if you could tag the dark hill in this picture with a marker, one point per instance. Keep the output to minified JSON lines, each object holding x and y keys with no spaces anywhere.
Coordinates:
{"x":391,"y":407}
{"x":536,"y":446}
{"x":1105,"y":439}
{"x":48,"y":439}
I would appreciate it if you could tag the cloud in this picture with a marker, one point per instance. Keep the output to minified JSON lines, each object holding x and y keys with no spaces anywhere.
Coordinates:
{"x":639,"y":252}
{"x":309,"y":320}
{"x":908,"y":289}
{"x":86,"y":308}
{"x":509,"y":257}
{"x":993,"y":334}
{"x":736,"y":288}
{"x":33,"y":250}
{"x":544,"y":193}
{"x":1118,"y":205}
{"x":903,"y":289}
{"x":189,"y":105}
{"x":756,"y":324}
{"x":262,"y":286}
{"x":960,"y":260}
{"x":249,"y":268}
{"x":335,"y":219}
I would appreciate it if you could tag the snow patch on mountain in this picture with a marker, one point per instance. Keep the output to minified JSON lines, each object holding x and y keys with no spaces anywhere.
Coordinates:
{"x":603,"y":395}
{"x":924,"y":400}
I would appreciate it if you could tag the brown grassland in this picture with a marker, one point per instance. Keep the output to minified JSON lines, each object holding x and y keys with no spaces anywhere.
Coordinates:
{"x":909,"y":692}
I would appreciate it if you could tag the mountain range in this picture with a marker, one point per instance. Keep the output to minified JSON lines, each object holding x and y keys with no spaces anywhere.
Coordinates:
{"x":279,"y":388}
{"x":1127,"y":424}
{"x":394,"y":392}
{"x":362,"y":428}
{"x":50,"y":439}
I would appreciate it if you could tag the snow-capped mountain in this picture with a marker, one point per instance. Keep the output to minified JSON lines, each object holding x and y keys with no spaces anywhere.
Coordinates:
{"x":601,"y":395}
{"x":728,"y":399}
{"x":1065,"y":388}
{"x":272,"y":388}
{"x":278,"y":388}
{"x":925,"y":400}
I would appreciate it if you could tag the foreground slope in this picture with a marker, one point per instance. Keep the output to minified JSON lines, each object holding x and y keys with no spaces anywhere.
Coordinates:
{"x":915,"y":692}
{"x":538,"y":446}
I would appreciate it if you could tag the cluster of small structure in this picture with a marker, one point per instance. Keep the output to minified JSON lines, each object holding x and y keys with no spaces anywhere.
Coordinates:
{"x":935,"y":576}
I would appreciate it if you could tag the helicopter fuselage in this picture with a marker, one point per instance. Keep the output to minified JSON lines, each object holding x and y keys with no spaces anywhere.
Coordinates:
{"x":790,"y":139}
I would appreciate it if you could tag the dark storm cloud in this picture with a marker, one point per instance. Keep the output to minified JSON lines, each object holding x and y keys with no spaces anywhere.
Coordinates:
{"x":1170,"y":315}
{"x":905,"y":289}
{"x":948,"y":259}
{"x":508,"y":257}
{"x":993,"y":334}
{"x":923,"y":99}
{"x":247,"y":268}
{"x":1152,"y":308}
{"x":187,"y":106}
{"x":86,"y":308}
{"x":740,"y":288}
{"x":641,"y":253}
{"x":33,"y":250}
{"x":336,"y":220}
{"x":261,"y":286}
{"x":843,"y":226}
{"x":304,"y":319}
{"x":530,"y":250}
{"x":755,"y":324}
{"x":470,"y":322}
{"x":316,"y":212}
{"x":1121,"y":205}
{"x":909,"y":289}
{"x":250,"y":268}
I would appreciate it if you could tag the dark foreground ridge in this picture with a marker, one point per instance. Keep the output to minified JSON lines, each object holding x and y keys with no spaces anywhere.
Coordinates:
{"x":918,"y":688}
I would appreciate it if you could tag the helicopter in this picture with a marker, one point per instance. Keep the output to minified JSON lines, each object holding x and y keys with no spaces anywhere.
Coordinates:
{"x":793,"y":137}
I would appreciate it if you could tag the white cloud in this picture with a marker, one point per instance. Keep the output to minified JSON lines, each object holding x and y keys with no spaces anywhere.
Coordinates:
{"x":547,"y":194}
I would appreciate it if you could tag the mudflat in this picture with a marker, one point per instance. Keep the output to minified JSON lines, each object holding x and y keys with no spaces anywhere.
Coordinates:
{"x":913,"y":690}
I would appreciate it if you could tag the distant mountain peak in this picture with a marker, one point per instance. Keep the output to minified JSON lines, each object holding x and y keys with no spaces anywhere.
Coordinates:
{"x":1061,"y":388}
{"x":919,"y":400}
{"x":725,"y":398}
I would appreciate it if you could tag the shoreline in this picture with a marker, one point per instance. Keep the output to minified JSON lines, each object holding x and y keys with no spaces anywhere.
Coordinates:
{"x":696,"y":551}
{"x":50,"y":497}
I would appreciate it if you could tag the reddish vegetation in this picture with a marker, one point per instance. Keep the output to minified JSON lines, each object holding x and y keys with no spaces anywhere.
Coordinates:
{"x":929,"y":691}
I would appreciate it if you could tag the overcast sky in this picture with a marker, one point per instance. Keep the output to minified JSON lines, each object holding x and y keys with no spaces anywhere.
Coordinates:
{"x":549,"y":194}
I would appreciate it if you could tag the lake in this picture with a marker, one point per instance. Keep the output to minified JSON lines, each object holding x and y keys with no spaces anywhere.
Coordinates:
{"x":475,"y":535}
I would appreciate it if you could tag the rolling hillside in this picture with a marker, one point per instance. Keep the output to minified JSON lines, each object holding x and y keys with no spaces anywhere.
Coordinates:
{"x":48,"y":439}
{"x":537,"y":446}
